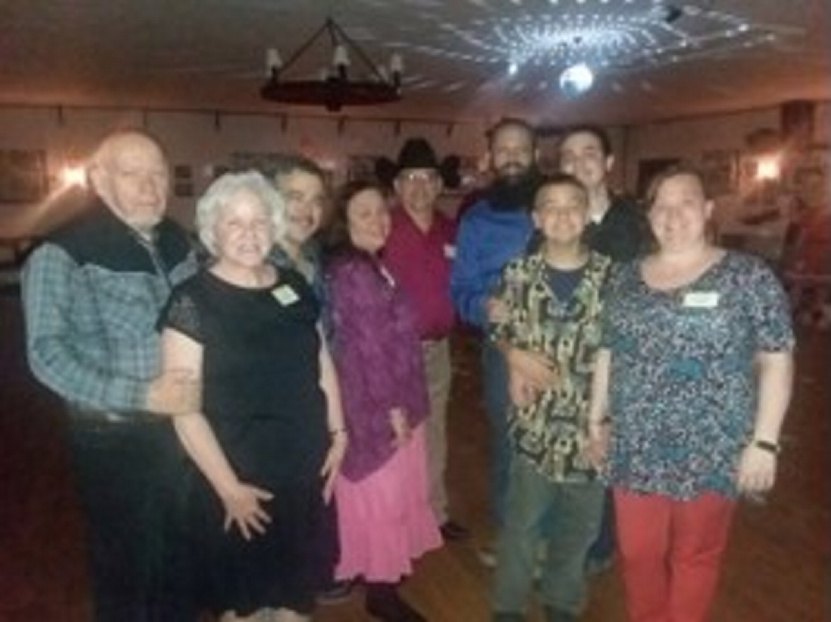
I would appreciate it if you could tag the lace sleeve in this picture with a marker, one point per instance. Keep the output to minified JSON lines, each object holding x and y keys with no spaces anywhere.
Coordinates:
{"x":182,"y":314}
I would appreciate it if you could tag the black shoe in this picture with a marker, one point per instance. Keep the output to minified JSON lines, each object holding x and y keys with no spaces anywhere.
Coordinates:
{"x":384,"y":603}
{"x":451,"y":530}
{"x":336,"y":592}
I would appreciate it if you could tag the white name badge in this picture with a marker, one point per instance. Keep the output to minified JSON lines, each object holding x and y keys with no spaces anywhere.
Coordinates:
{"x":285,"y":295}
{"x":701,"y":300}
{"x":449,"y":251}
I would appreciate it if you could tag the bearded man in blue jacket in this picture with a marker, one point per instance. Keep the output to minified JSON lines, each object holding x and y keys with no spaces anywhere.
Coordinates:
{"x":494,"y":230}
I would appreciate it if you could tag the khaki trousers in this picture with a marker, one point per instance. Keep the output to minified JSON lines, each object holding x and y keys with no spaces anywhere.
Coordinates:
{"x":439,"y":372}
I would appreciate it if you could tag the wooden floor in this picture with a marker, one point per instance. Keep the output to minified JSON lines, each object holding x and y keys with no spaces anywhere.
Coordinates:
{"x":777,"y":568}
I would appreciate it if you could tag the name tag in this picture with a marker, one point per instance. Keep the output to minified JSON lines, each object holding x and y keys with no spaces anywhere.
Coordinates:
{"x":449,"y":251}
{"x":285,"y":295}
{"x":701,"y":300}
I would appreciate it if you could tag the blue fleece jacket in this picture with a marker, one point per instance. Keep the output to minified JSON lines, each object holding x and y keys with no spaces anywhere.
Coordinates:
{"x":487,"y":240}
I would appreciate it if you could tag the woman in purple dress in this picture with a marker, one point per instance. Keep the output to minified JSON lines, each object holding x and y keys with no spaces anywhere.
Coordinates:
{"x":384,"y":514}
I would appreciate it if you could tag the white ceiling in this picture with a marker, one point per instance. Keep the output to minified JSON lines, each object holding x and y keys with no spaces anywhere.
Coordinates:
{"x":716,"y":55}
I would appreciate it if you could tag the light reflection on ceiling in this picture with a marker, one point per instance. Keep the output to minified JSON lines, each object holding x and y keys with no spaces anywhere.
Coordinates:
{"x":626,"y":37}
{"x":651,"y":59}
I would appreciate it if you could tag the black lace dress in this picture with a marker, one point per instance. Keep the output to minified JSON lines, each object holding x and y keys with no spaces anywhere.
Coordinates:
{"x":264,"y":402}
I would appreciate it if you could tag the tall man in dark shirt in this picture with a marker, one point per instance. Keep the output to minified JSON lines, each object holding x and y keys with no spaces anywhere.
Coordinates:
{"x":92,"y":294}
{"x":618,"y":229}
{"x":617,"y":226}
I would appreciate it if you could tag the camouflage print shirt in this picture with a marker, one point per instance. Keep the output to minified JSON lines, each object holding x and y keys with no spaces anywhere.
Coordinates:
{"x":551,"y":431}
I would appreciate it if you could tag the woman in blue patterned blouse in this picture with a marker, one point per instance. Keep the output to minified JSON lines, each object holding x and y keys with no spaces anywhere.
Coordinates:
{"x":691,"y":388}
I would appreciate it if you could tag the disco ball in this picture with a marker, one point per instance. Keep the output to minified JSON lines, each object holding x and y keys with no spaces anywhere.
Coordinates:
{"x":576,"y":80}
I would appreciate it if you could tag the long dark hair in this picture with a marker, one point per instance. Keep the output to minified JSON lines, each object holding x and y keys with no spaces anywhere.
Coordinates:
{"x":337,"y":241}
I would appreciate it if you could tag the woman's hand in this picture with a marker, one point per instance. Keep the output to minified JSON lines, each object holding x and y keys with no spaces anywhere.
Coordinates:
{"x":334,"y":458}
{"x":400,"y":427}
{"x":757,"y":470}
{"x":243,"y":509}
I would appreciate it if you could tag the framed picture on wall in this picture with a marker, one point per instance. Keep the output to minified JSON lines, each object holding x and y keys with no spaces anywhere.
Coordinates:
{"x":183,"y":180}
{"x":23,"y":176}
{"x":810,"y":175}
{"x":359,"y":167}
{"x":719,"y":168}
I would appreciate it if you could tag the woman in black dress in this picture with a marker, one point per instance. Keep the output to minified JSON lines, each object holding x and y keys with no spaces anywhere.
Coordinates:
{"x":269,"y":438}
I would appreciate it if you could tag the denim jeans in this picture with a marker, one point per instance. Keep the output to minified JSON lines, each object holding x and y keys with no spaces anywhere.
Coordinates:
{"x":561,"y":517}
{"x":497,"y":401}
{"x":603,"y":548}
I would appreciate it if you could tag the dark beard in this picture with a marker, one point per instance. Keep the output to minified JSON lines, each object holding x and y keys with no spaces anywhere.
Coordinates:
{"x":514,"y":193}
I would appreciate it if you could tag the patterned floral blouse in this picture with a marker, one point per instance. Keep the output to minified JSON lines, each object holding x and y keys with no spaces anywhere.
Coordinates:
{"x":550,"y":432}
{"x":682,"y":387}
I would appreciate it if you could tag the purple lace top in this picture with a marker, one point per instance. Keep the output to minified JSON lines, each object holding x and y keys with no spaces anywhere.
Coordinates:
{"x":378,"y":358}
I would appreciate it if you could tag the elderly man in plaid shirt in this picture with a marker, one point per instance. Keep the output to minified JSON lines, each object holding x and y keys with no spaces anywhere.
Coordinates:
{"x":92,"y":293}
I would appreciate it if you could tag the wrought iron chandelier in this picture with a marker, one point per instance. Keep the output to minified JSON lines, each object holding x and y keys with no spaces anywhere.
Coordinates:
{"x":342,"y":83}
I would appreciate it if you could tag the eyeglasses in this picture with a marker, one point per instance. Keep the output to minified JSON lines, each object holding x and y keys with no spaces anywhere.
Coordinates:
{"x":425,"y":176}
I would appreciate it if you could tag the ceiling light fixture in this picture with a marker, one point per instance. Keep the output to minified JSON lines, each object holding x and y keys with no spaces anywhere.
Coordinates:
{"x":341,"y":83}
{"x":576,"y":80}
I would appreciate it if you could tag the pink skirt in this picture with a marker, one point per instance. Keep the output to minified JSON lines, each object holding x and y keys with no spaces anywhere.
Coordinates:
{"x":385,"y":520}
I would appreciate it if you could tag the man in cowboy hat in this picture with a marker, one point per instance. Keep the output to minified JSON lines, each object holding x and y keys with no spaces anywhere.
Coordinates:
{"x":420,"y":252}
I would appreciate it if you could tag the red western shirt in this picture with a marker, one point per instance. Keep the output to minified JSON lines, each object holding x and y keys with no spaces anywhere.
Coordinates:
{"x":420,"y":262}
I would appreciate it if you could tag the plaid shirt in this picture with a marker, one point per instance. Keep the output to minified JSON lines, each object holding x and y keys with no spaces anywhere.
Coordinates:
{"x":92,"y":294}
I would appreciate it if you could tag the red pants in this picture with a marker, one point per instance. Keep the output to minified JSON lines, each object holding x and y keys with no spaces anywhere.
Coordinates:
{"x":671,"y":554}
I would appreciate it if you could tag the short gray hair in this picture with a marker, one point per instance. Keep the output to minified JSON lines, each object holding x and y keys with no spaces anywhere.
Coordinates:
{"x":219,"y":194}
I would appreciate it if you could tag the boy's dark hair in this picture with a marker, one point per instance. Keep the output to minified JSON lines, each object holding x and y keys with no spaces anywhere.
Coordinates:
{"x":598,"y":132}
{"x":561,"y":179}
{"x":507,"y":122}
